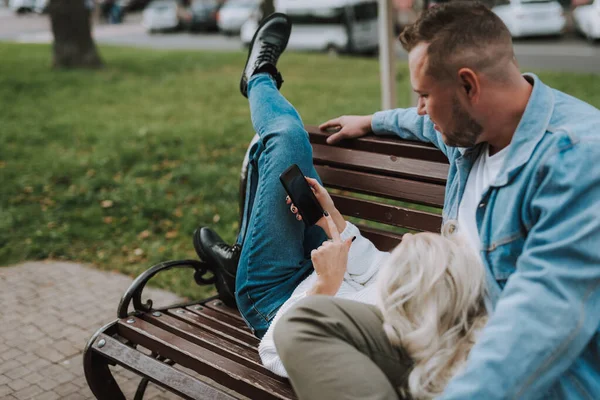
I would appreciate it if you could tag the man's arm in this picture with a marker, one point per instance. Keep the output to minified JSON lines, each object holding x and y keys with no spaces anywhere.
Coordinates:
{"x":403,"y":122}
{"x":409,"y":125}
{"x":549,"y":309}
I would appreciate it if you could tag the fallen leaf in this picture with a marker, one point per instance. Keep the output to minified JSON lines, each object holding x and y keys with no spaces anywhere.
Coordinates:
{"x":106,"y":203}
{"x":144,"y":234}
{"x":178,"y":213}
{"x":171,"y":234}
{"x":138,"y":252}
{"x":216,"y":218}
{"x":107,"y":220}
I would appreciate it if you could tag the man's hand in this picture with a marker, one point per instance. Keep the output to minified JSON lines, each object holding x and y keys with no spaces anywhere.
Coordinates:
{"x":330,"y":262}
{"x":350,"y":127}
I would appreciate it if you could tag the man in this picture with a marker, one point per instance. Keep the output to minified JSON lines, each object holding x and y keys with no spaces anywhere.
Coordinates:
{"x":523,"y":187}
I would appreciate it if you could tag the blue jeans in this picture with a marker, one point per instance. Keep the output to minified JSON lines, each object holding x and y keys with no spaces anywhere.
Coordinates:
{"x":276,"y":247}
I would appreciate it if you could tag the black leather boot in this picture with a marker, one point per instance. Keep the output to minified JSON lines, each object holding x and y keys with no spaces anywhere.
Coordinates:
{"x":224,"y":259}
{"x":269,"y":41}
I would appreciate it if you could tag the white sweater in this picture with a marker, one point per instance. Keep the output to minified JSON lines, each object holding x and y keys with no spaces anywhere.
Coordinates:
{"x":364,"y":261}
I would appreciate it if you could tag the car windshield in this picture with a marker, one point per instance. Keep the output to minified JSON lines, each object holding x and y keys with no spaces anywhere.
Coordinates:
{"x":203,"y":4}
{"x":241,"y":4}
{"x":316,"y":16}
{"x":161,"y":5}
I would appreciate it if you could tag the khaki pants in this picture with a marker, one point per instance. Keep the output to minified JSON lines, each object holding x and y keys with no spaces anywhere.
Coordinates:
{"x":337,"y":349}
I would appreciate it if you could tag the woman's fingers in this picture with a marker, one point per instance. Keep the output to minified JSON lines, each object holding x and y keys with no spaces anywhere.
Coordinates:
{"x":335,"y":234}
{"x":288,"y":200}
{"x":293,"y":209}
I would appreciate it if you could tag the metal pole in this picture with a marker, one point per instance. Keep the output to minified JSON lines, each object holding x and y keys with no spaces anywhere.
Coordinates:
{"x":387,"y":55}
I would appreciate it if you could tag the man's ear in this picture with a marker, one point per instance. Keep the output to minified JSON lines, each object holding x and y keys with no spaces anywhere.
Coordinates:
{"x":469,"y":82}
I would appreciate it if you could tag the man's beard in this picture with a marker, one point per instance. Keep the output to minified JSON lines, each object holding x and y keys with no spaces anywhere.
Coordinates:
{"x":465,"y":130}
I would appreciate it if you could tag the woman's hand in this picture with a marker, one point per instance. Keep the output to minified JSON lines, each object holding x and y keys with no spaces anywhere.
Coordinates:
{"x":330,"y":261}
{"x":326,"y":203}
{"x":350,"y":127}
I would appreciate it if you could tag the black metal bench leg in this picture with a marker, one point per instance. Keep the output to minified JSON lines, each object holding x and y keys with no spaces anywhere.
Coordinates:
{"x":98,"y":375}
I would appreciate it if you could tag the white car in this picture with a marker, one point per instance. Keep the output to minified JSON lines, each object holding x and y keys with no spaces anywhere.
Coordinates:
{"x":335,"y":26}
{"x":587,"y":20}
{"x":532,"y":17}
{"x":21,"y":5}
{"x":160,"y":15}
{"x":234,"y":13}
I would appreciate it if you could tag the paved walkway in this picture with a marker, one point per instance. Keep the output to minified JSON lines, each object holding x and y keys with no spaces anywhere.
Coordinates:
{"x":48,"y":311}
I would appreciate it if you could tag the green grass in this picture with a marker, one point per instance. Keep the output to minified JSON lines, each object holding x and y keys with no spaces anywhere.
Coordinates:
{"x":117,"y":167}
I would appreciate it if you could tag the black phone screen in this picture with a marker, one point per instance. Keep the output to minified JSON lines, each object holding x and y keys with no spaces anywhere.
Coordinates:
{"x":301,"y":194}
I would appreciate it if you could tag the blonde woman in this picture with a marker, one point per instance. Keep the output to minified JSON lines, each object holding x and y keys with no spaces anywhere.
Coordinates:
{"x":429,"y":291}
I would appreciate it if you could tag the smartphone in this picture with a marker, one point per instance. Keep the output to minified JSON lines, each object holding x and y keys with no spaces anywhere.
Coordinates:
{"x":301,"y":194}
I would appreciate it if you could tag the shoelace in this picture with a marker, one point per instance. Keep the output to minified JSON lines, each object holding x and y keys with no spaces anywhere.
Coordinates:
{"x":268,"y":52}
{"x":234,"y":249}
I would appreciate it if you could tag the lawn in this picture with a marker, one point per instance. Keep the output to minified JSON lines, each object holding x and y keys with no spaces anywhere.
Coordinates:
{"x":117,"y":167}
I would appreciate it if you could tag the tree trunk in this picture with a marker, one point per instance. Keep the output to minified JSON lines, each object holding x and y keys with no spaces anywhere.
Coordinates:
{"x":73,"y":44}
{"x":267,"y":7}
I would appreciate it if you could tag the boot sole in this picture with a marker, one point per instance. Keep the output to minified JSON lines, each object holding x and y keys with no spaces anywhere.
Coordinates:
{"x":270,"y":17}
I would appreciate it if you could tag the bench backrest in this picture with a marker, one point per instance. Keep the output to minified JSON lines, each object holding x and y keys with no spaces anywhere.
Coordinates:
{"x":395,"y":184}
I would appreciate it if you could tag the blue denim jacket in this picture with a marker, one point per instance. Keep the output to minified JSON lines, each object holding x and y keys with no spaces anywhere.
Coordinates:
{"x":539,"y":225}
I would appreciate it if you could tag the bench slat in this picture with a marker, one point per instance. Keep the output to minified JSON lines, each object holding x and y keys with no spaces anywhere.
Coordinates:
{"x":164,"y":375}
{"x":380,"y":164}
{"x":235,"y":376}
{"x":383,"y":186}
{"x":202,"y":337}
{"x":216,"y":327}
{"x":387,"y":214}
{"x":220,"y":317}
{"x":390,"y":145}
{"x":221,"y":307}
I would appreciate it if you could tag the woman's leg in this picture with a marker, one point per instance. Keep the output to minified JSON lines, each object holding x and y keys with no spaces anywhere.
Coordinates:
{"x":334,"y":348}
{"x":273,"y":260}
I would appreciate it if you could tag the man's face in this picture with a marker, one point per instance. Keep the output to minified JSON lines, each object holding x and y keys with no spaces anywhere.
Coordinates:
{"x":441,"y":100}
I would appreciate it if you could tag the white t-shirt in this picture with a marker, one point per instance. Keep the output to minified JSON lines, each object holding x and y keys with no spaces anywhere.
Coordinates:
{"x":482,"y":175}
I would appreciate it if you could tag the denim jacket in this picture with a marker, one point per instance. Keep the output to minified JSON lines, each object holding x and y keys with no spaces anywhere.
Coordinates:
{"x":539,"y":225}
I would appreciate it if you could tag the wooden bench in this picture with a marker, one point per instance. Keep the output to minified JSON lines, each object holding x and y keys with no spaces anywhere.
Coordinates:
{"x":178,"y":347}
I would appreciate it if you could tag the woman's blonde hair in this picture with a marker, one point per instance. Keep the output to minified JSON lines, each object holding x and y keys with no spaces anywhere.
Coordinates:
{"x":431,"y":296}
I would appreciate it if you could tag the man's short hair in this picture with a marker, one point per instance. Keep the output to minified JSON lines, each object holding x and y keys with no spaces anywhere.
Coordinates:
{"x":460,"y":34}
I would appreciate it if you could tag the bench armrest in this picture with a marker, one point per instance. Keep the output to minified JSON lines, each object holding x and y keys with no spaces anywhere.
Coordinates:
{"x":134,"y":292}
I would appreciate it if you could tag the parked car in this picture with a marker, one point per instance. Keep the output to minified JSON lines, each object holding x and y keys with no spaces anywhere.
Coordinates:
{"x":532,"y":17}
{"x":234,"y":13}
{"x":337,"y":26}
{"x":21,"y":6}
{"x":587,"y":20}
{"x":160,"y":15}
{"x":132,"y":5}
{"x":200,"y":15}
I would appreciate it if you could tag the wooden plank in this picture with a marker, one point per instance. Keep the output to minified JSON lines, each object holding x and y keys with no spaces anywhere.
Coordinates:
{"x":221,"y":318}
{"x":390,"y":145}
{"x":387,"y":214}
{"x":229,"y":373}
{"x":383,"y":186}
{"x":216,"y":327}
{"x":221,"y":307}
{"x":380,"y":164}
{"x":384,"y":241}
{"x":214,"y":342}
{"x":161,"y":374}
